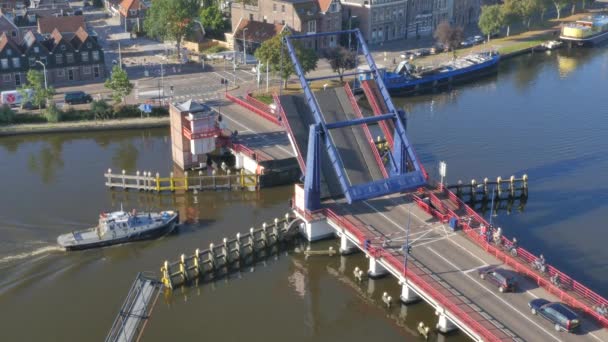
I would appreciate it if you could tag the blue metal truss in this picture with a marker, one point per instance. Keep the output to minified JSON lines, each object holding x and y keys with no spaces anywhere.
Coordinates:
{"x":400,"y":178}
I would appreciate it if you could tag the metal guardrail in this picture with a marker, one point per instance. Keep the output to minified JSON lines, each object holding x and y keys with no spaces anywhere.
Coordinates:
{"x":588,"y":300}
{"x":135,"y":310}
{"x":412,"y":273}
{"x":261,"y":112}
{"x":373,"y":101}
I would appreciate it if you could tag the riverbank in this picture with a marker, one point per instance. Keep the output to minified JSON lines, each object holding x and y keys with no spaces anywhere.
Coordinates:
{"x":84,"y":126}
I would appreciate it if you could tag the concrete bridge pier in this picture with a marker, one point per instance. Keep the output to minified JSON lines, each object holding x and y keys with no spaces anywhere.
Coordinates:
{"x":315,"y":230}
{"x":444,"y":325}
{"x":375,"y":270}
{"x":407,"y":294}
{"x":346,"y":246}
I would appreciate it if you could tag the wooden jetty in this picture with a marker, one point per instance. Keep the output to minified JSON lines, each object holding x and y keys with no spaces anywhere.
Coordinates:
{"x":146,"y":181}
{"x":229,"y":253}
{"x":136,"y":309}
{"x":500,"y":189}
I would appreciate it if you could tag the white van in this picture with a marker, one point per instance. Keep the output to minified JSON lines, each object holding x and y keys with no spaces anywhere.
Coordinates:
{"x":13,"y":98}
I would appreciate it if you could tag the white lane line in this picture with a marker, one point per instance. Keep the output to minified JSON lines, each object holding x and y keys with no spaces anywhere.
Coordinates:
{"x":468,"y":251}
{"x":386,"y":217}
{"x":494,"y":294}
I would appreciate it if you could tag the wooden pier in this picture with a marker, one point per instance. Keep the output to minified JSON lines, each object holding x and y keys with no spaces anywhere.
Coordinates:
{"x":146,"y":181}
{"x":486,"y":190}
{"x":229,"y":254}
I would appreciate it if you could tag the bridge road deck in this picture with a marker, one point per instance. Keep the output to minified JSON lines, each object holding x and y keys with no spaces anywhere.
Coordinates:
{"x":355,"y":152}
{"x":299,"y":119}
{"x":254,"y":132}
{"x":451,"y":257}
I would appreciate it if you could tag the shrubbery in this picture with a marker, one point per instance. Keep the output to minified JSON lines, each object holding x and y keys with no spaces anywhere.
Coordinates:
{"x":100,"y":110}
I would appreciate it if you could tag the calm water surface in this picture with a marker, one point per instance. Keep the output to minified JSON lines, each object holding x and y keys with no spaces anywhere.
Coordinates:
{"x":544,"y":115}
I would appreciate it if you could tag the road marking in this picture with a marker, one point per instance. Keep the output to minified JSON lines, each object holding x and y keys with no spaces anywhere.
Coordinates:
{"x":494,"y":294}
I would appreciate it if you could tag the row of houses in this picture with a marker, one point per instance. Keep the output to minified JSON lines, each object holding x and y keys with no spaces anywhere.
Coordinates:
{"x":31,"y":37}
{"x":379,"y":20}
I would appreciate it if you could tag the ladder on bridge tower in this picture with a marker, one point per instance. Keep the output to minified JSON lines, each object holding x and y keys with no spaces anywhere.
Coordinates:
{"x":406,"y":172}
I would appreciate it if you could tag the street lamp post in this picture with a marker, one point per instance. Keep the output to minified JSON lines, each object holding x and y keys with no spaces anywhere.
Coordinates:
{"x":349,"y":28}
{"x":406,"y":247}
{"x":244,"y":46}
{"x":44,"y":72}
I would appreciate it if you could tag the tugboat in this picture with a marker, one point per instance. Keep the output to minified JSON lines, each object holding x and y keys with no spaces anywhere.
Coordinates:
{"x":121,"y":227}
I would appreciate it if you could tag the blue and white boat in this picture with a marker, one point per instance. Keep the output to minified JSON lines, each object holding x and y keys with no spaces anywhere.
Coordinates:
{"x":121,"y":227}
{"x":408,"y":79}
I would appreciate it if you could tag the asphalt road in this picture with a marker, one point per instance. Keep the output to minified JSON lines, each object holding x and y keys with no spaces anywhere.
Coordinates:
{"x":453,"y":258}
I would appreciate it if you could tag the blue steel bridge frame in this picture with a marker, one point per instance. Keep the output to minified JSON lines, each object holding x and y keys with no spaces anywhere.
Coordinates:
{"x":400,"y":179}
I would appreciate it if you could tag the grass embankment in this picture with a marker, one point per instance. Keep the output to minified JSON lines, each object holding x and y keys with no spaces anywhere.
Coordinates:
{"x":84,"y":126}
{"x":295,"y":88}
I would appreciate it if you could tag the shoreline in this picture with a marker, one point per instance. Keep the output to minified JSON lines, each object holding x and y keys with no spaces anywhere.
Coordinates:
{"x":83,"y":126}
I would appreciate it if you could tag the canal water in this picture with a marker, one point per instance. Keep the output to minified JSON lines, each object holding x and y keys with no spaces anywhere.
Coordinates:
{"x":544,"y":115}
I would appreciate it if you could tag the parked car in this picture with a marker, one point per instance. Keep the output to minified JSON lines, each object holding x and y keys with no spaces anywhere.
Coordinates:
{"x":499,"y":277}
{"x":406,"y":55}
{"x":28,"y":105}
{"x":438,"y":48}
{"x":478,"y":40}
{"x":557,"y":313}
{"x":466,"y":43}
{"x":422,"y":52}
{"x":76,"y":97}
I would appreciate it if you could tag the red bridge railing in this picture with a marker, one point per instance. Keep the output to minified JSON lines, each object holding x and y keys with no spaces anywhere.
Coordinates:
{"x":568,"y":291}
{"x":258,"y":107}
{"x":414,"y":275}
{"x":373,"y":102}
{"x":366,"y":131}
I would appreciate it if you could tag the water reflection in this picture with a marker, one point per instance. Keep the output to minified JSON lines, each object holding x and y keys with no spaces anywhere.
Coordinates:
{"x":48,"y":160}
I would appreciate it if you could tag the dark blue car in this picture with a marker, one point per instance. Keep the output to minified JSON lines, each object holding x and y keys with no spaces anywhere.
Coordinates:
{"x":557,"y":313}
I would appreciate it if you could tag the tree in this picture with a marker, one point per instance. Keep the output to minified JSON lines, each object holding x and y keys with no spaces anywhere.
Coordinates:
{"x":6,"y":115}
{"x":449,"y":36}
{"x":213,"y":21}
{"x":510,"y":14}
{"x":39,"y":94}
{"x":52,"y":113}
{"x":490,"y":20}
{"x":559,"y":6}
{"x":527,"y":9}
{"x":172,"y":20}
{"x":119,"y":84}
{"x":340,"y":60}
{"x":270,"y":52}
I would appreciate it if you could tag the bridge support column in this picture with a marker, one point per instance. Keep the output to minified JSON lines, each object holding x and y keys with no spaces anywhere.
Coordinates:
{"x":317,"y":230}
{"x":444,"y":325}
{"x":375,"y":269}
{"x":407,"y":294}
{"x":346,"y":246}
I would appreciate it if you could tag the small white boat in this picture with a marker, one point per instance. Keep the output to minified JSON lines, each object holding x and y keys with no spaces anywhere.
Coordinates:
{"x":120,"y":227}
{"x":552,"y":44}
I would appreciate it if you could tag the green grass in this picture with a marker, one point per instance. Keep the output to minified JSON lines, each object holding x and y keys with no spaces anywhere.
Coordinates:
{"x":520,"y":46}
{"x":266,"y":98}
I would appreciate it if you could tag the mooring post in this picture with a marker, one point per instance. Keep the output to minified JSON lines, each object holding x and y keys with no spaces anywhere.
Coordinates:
{"x":486,"y":190}
{"x":225,"y":250}
{"x":166,"y":275}
{"x":197,"y":263}
{"x":473,"y":190}
{"x":182,"y":267}
{"x":124,"y":181}
{"x":110,"y":178}
{"x":212,"y":256}
{"x":251,"y":239}
{"x":525,"y":185}
{"x":512,"y":186}
{"x":200,"y":180}
{"x":171,"y":182}
{"x":186,"y":181}
{"x":157,"y":182}
{"x":238,"y":246}
{"x":229,"y":180}
{"x":264,"y":235}
{"x":499,"y":186}
{"x":214,"y":181}
{"x":459,"y":189}
{"x":275,"y":229}
{"x":137,"y":180}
